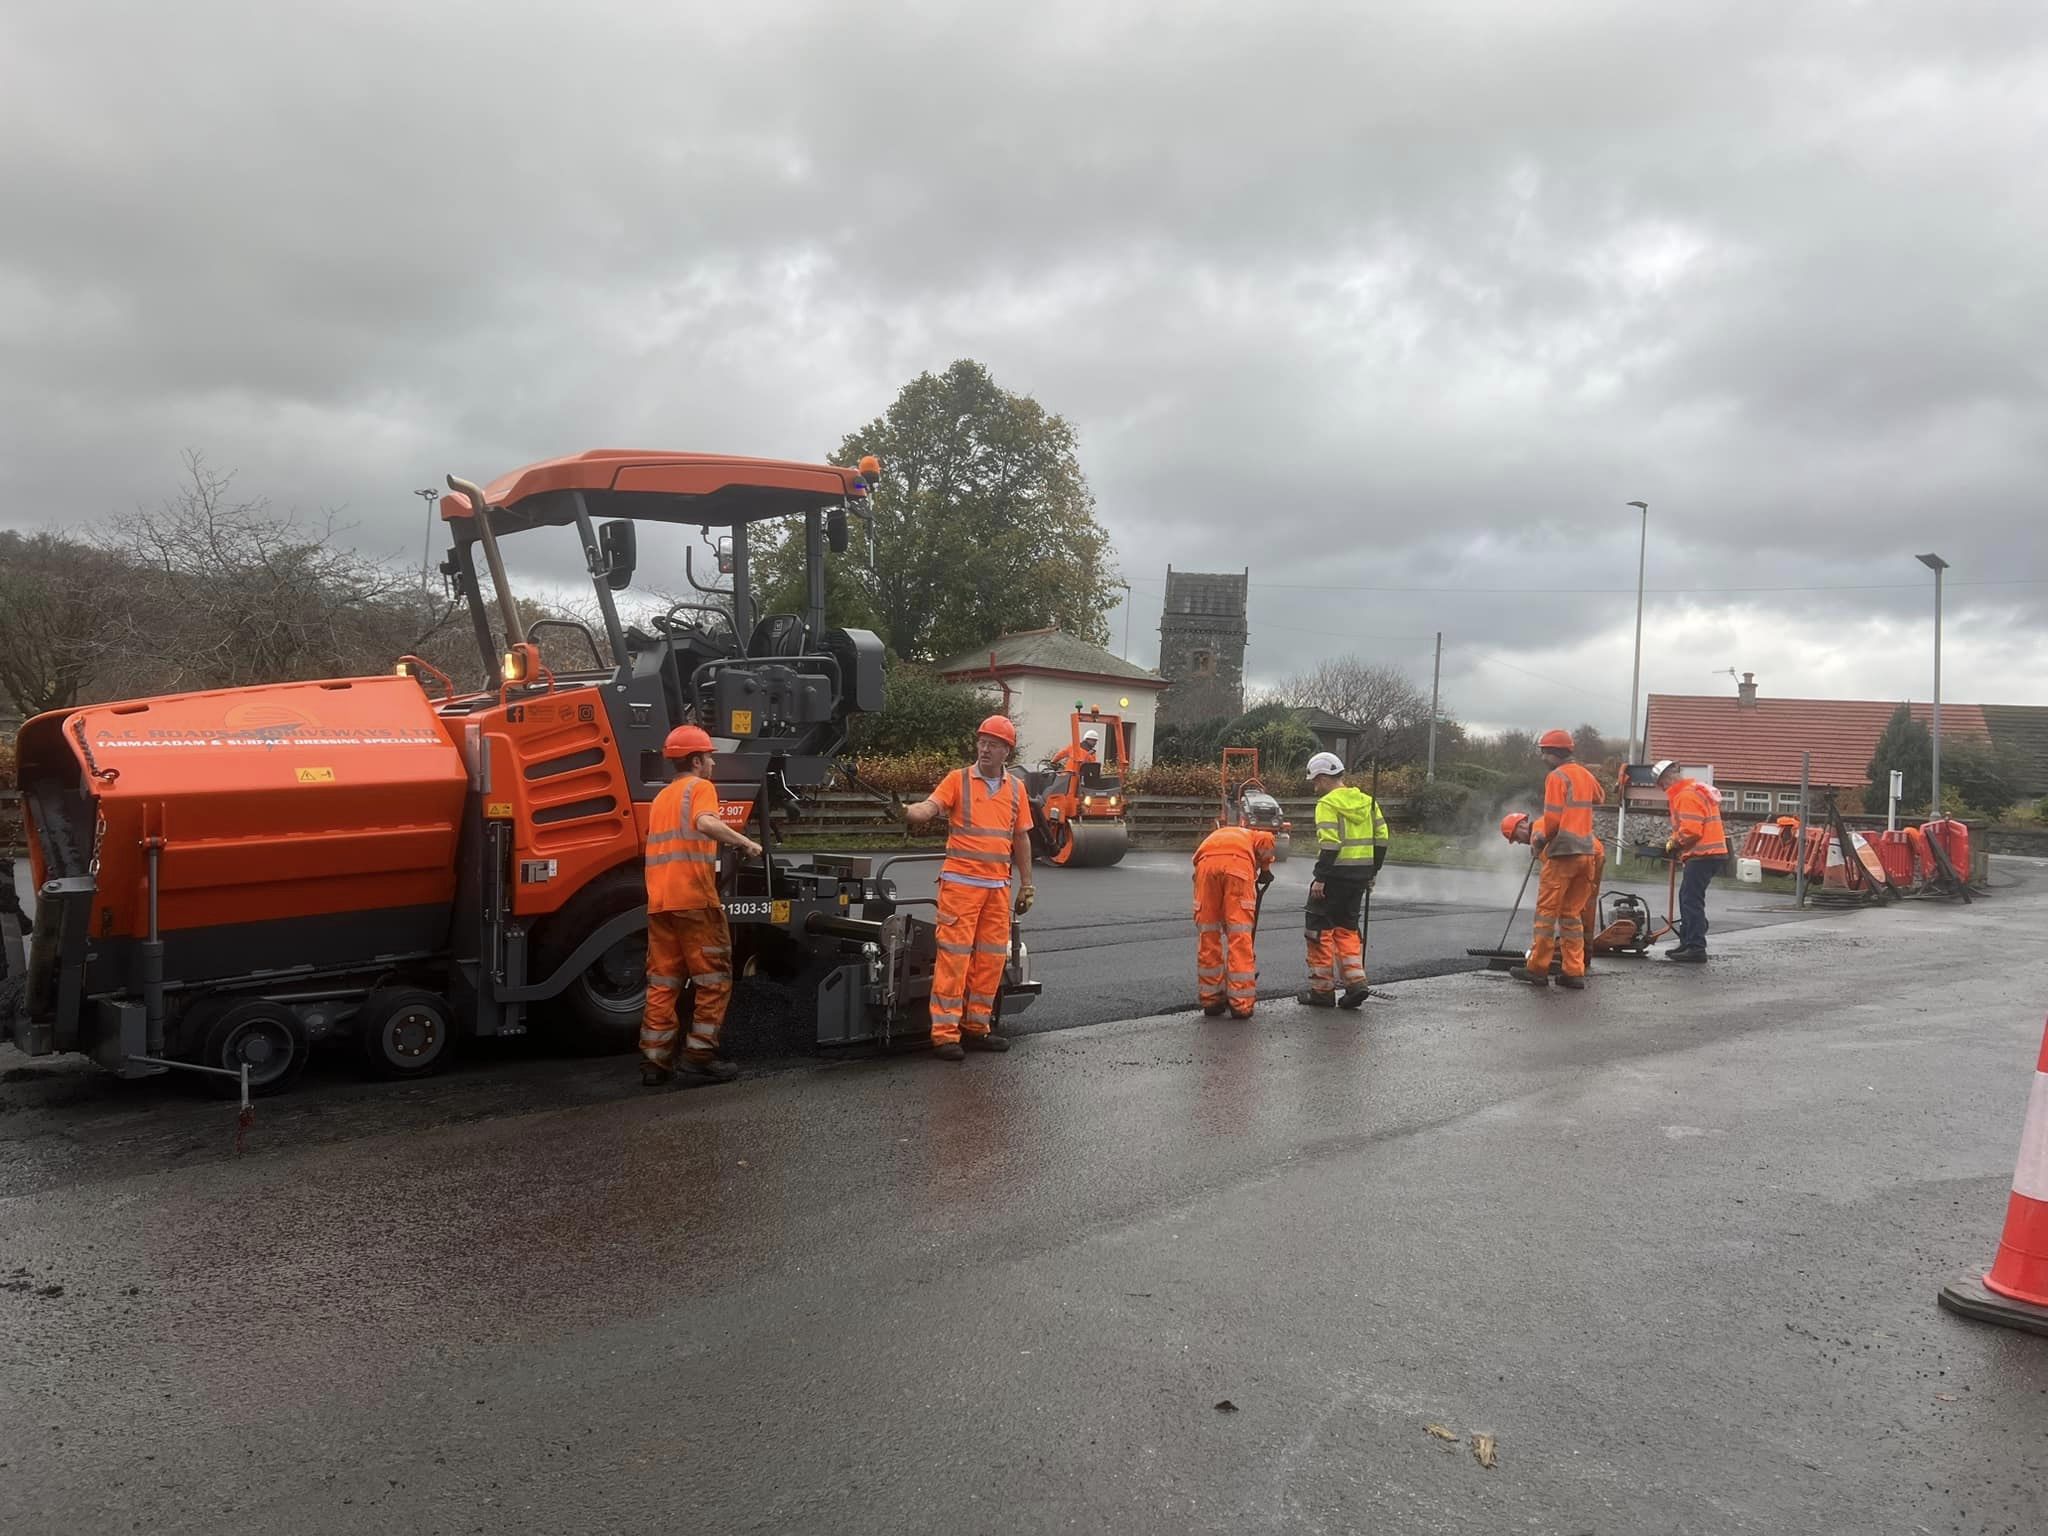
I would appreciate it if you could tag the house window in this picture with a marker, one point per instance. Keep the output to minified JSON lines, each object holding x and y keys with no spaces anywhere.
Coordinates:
{"x":1758,"y":800}
{"x":1788,"y":801}
{"x":1204,"y":663}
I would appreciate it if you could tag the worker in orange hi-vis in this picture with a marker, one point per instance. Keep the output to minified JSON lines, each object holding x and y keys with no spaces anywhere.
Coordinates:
{"x":988,"y":845}
{"x":1515,"y":828}
{"x":1067,"y":757}
{"x":687,"y":936}
{"x":1231,"y":865}
{"x":1700,"y":844}
{"x":1563,"y":838}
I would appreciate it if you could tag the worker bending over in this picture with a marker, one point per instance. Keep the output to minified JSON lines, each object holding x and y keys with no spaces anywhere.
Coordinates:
{"x":687,"y":935}
{"x":1351,"y":845}
{"x":1072,"y":760}
{"x":987,"y":844}
{"x":1563,"y":839}
{"x":1701,"y":846}
{"x":1232,"y":866}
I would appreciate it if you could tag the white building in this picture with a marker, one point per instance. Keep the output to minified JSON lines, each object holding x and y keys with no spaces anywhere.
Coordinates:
{"x":1042,"y":675}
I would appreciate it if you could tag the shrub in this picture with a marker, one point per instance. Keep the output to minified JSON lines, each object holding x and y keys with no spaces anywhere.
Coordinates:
{"x":920,"y":714}
{"x":1441,"y":807}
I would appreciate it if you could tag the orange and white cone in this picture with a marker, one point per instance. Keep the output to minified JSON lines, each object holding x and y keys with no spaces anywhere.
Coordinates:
{"x":2015,"y":1292}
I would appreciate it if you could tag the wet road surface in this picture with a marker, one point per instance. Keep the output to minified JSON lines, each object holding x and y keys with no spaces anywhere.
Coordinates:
{"x":1674,"y":1243}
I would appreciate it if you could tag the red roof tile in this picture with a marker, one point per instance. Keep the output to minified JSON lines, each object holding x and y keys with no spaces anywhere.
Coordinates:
{"x":1761,"y":744}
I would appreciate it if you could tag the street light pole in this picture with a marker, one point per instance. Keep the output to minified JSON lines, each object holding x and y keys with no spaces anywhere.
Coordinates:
{"x":1635,"y":677}
{"x":1937,"y":565}
{"x":1127,"y":618}
{"x":430,"y":497}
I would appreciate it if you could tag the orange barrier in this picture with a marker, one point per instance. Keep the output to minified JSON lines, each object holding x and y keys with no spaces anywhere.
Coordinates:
{"x":2015,"y":1292}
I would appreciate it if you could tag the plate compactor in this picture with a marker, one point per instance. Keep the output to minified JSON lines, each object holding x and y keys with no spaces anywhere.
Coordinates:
{"x":224,"y":878}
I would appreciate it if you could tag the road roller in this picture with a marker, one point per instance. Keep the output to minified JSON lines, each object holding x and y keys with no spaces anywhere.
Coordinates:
{"x":1079,"y":815}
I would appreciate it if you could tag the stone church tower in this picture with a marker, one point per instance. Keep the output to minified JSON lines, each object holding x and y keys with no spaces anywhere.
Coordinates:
{"x":1202,"y":637}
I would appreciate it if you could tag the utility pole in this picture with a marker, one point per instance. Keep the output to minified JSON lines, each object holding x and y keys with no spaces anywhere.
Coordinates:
{"x":1937,"y":565}
{"x":1635,"y":678}
{"x":1436,"y":677}
{"x":430,"y":496}
{"x":1127,"y":618}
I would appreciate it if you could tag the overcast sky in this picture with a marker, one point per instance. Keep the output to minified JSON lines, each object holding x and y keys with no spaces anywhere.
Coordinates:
{"x":1395,"y":305}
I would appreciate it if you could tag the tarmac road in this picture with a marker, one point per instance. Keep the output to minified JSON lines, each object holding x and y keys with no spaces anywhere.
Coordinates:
{"x":1673,"y":1243}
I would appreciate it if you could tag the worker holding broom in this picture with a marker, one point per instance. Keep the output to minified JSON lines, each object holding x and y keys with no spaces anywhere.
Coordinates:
{"x":687,"y":935}
{"x":988,"y":845}
{"x":1233,"y":866}
{"x":1563,"y":839}
{"x":1351,"y":845}
{"x":1515,"y":828}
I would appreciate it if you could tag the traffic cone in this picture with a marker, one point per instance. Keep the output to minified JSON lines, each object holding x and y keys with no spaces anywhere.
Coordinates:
{"x":2015,"y":1292}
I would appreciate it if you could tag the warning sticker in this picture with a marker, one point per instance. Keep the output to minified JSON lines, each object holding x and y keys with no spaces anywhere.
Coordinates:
{"x":316,"y":775}
{"x":743,"y":722}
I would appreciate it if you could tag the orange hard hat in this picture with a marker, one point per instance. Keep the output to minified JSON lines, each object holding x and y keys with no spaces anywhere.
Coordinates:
{"x":1561,"y":740}
{"x":999,"y":727}
{"x":1513,"y":823}
{"x":685,"y":740}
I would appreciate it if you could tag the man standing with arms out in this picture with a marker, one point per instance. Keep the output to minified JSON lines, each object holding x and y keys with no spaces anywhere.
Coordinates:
{"x":1351,"y":845}
{"x":1232,"y":866}
{"x":1699,"y":843}
{"x":687,"y":934}
{"x":1072,"y":761}
{"x":988,"y":825}
{"x":1563,"y":837}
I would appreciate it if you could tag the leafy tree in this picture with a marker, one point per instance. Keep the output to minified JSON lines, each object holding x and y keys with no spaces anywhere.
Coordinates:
{"x":1907,"y":746}
{"x":1285,"y":744}
{"x":1989,"y":778}
{"x":983,"y":524}
{"x":920,"y":714}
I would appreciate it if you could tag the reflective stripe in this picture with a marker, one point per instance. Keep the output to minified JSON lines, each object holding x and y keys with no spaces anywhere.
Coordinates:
{"x":712,"y":978}
{"x":956,"y":949}
{"x":1208,"y":927}
{"x":992,"y":949}
{"x":978,"y":855}
{"x":682,"y":858}
{"x":1244,"y":975}
{"x":670,"y":982}
{"x":1237,"y":927}
{"x":985,"y":999}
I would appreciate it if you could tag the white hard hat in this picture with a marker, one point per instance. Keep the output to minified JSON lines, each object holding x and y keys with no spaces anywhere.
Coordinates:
{"x":1325,"y":763}
{"x":1662,"y":766}
{"x":1091,"y":734}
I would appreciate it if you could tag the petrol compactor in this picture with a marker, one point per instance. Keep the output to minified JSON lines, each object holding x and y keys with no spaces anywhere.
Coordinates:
{"x":224,"y":878}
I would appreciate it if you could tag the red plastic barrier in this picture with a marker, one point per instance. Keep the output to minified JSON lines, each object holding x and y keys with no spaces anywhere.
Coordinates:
{"x":1923,"y":855}
{"x":1954,"y":838}
{"x":1896,"y":851}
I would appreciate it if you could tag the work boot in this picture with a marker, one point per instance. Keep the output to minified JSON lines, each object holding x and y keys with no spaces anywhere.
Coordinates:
{"x":1237,"y":1015}
{"x":1354,"y":997}
{"x":652,"y":1076}
{"x":950,"y":1051}
{"x":699,"y":1074}
{"x":1213,"y":1010}
{"x":984,"y":1042}
{"x":1686,"y":956}
{"x":1314,"y":999}
{"x":1572,"y":983}
{"x":1678,"y":952}
{"x":1523,"y":973}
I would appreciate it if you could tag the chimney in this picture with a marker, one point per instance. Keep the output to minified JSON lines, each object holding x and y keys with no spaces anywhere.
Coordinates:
{"x":1745,"y":692}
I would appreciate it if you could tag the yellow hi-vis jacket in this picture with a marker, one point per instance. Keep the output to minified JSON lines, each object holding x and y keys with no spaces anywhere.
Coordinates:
{"x":1350,"y":831}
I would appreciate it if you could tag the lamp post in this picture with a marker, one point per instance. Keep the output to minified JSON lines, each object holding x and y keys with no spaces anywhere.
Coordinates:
{"x":1127,"y":618}
{"x":1937,"y":565}
{"x":1635,"y":677}
{"x":430,"y":497}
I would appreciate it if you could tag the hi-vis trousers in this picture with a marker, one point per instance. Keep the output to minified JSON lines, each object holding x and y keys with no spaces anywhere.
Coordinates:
{"x":1567,"y":883}
{"x":1336,"y":949}
{"x":1226,"y":904}
{"x":696,"y":947}
{"x":974,"y":945}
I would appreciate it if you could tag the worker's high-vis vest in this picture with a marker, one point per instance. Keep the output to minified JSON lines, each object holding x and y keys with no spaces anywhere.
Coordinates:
{"x":682,"y":863}
{"x":1350,"y":821}
{"x":1569,"y":796}
{"x":983,"y":826}
{"x":1696,"y":820}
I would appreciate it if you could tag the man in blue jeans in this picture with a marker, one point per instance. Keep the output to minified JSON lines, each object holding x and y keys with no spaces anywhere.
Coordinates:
{"x":1699,"y":843}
